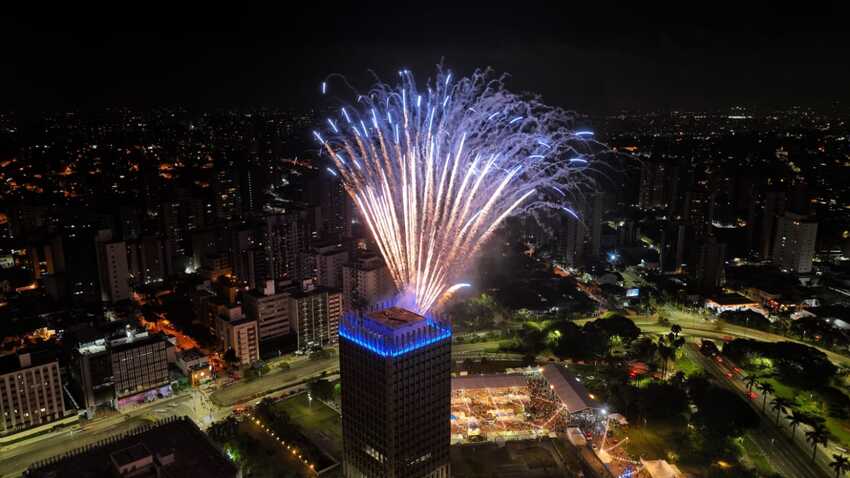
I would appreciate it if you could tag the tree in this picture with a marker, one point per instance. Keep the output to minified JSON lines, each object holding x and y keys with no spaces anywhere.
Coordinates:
{"x":321,"y":389}
{"x":661,"y":401}
{"x":230,"y":356}
{"x":676,"y":329}
{"x":615,"y":326}
{"x":796,"y":418}
{"x":780,"y":405}
{"x":665,"y":352}
{"x":667,"y":347}
{"x":751,"y":380}
{"x":644,"y":349}
{"x":817,"y":436}
{"x":840,"y":464}
{"x":721,"y":413}
{"x":766,"y":389}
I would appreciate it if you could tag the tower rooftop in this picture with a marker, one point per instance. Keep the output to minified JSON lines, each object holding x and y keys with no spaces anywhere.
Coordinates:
{"x":395,"y":317}
{"x":392,"y":331}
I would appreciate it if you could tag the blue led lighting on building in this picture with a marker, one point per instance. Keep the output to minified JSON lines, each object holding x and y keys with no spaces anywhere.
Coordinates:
{"x":393,"y":351}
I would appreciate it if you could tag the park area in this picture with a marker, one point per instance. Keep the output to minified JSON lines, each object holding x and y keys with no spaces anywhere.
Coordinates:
{"x":293,"y":437}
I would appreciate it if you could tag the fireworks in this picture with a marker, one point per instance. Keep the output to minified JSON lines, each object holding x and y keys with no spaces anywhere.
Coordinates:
{"x":434,"y":172}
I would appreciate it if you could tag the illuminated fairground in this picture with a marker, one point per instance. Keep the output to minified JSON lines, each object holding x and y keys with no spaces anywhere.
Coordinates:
{"x":544,"y":402}
{"x":527,"y":403}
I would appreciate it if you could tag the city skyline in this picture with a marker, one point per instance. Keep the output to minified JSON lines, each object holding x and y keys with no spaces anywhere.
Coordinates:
{"x":379,"y":241}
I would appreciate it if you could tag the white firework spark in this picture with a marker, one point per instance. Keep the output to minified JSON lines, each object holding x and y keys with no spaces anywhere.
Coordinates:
{"x":435,"y":172}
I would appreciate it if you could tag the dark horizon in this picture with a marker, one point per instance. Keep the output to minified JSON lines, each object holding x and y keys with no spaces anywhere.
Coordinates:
{"x":592,"y":61}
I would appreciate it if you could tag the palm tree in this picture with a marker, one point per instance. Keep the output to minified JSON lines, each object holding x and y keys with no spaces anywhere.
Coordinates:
{"x":676,"y":329}
{"x":840,"y":464}
{"x":766,"y":388}
{"x":780,"y":404}
{"x":665,"y":353}
{"x":796,"y":418}
{"x":817,"y":436}
{"x":751,"y":380}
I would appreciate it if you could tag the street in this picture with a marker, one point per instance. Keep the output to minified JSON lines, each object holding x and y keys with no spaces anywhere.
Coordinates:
{"x":787,"y":458}
{"x":203,"y":406}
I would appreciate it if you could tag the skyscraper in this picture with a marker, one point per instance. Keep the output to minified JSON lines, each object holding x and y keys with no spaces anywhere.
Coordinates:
{"x":285,"y":236}
{"x":774,"y":205}
{"x":395,"y":371}
{"x":707,"y":264}
{"x":794,"y":245}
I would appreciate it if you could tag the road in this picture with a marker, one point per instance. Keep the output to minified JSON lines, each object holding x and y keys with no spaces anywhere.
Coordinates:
{"x":276,"y":379}
{"x":699,"y":327}
{"x":203,"y":406}
{"x":14,"y":459}
{"x":785,"y":456}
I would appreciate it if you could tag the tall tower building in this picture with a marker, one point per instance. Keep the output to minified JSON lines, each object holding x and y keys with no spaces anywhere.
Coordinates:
{"x":652,"y":184}
{"x":113,"y":268}
{"x":395,"y":371}
{"x":285,"y":237}
{"x":226,"y":194}
{"x":774,"y":205}
{"x":707,"y":264}
{"x":794,"y":245}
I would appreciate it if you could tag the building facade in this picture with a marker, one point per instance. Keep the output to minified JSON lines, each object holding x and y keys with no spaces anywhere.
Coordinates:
{"x":114,"y":272}
{"x":121,"y":368}
{"x":139,"y":364}
{"x":241,"y":335}
{"x":270,"y":309}
{"x":315,"y":314}
{"x":365,"y":281}
{"x":30,"y":391}
{"x":395,"y":371}
{"x":794,"y":244}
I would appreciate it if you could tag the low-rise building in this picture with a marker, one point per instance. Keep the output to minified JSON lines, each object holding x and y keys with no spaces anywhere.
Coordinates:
{"x":195,"y":365}
{"x":241,"y":335}
{"x":270,"y":309}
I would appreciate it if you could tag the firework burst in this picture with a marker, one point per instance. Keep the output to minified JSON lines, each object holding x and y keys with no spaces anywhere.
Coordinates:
{"x":434,"y":172}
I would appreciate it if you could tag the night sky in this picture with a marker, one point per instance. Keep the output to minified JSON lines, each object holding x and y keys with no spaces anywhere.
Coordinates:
{"x":594,"y":60}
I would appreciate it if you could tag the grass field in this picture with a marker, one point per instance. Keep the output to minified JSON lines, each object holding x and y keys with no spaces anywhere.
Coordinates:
{"x":815,"y":403}
{"x":687,"y":366}
{"x":320,"y":422}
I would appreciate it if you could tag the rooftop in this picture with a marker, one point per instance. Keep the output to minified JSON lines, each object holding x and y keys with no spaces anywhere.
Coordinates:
{"x":731,"y":299}
{"x":392,"y":331}
{"x":13,"y":362}
{"x":395,"y":317}
{"x":315,"y":290}
{"x":194,"y":454}
{"x":568,"y":388}
{"x":473,"y":382}
{"x":130,"y":454}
